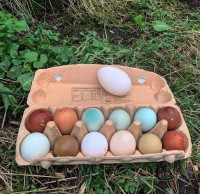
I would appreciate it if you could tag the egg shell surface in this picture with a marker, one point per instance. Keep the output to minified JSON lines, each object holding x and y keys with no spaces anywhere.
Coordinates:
{"x":147,"y":117}
{"x":37,"y":120}
{"x":171,"y":115}
{"x":173,"y":140}
{"x":93,"y":119}
{"x":65,"y":119}
{"x":34,"y":145}
{"x":94,"y":144}
{"x":149,"y":144}
{"x":114,"y":80}
{"x":66,"y":145}
{"x":120,"y":118}
{"x":122,"y":143}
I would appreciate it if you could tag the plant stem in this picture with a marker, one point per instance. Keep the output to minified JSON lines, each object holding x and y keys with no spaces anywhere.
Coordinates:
{"x":12,"y":93}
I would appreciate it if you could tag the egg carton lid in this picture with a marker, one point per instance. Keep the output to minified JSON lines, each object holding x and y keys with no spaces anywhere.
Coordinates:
{"x":78,"y":85}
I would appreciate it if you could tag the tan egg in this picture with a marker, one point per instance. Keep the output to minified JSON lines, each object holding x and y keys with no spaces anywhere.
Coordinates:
{"x":149,"y":144}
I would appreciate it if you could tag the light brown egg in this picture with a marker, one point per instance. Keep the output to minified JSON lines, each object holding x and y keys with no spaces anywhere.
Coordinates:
{"x":65,"y":119}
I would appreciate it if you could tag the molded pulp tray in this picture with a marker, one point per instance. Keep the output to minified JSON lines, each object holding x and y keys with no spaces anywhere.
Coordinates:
{"x":76,"y":86}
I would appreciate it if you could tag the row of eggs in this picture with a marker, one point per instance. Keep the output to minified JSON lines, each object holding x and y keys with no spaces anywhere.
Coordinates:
{"x":65,"y":119}
{"x":36,"y":145}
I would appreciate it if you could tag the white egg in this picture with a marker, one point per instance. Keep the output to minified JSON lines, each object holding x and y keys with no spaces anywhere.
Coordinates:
{"x":34,"y":145}
{"x":94,"y":144}
{"x":114,"y":80}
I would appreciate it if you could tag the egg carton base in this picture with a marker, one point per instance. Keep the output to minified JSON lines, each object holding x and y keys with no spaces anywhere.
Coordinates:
{"x":77,"y":87}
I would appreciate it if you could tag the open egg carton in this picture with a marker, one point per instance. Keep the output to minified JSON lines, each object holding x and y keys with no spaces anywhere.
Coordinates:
{"x":77,"y":87}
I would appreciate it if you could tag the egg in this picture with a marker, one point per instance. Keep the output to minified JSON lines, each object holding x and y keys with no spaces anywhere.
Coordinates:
{"x":173,"y":140}
{"x":37,"y":120}
{"x":122,"y":143}
{"x":94,"y":144}
{"x":34,"y":145}
{"x":149,"y":144}
{"x":93,"y":119}
{"x":171,"y":115}
{"x":147,"y":117}
{"x":65,"y":119}
{"x":114,"y":80}
{"x":66,"y":145}
{"x":121,"y":119}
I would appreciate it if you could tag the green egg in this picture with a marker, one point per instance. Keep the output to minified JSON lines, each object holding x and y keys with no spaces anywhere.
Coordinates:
{"x":121,"y":119}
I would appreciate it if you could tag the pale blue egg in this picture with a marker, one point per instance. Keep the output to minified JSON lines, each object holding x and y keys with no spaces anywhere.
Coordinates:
{"x":34,"y":145}
{"x":93,"y":119}
{"x":121,"y":119}
{"x":147,"y":117}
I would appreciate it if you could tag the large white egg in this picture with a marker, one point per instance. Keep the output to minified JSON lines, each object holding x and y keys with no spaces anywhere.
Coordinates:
{"x":114,"y":80}
{"x":94,"y":144}
{"x":122,"y":143}
{"x":34,"y":145}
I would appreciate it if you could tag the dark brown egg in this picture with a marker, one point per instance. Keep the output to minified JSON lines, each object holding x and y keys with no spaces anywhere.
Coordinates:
{"x":65,"y":119}
{"x":37,"y":120}
{"x":173,"y":140}
{"x":66,"y":145}
{"x":171,"y":115}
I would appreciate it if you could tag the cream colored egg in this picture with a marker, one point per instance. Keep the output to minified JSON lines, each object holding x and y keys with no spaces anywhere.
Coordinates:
{"x":122,"y":143}
{"x":114,"y":80}
{"x":149,"y":144}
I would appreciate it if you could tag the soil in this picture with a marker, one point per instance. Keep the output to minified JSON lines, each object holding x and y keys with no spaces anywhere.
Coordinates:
{"x":193,"y":4}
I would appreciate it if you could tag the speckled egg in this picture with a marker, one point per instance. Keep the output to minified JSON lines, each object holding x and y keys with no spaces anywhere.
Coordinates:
{"x":120,"y":118}
{"x":171,"y":115}
{"x":93,"y":119}
{"x":147,"y":117}
{"x":37,"y":120}
{"x":66,"y":145}
{"x":173,"y":140}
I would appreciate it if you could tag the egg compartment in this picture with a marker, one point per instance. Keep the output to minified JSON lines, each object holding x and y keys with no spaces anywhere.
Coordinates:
{"x":49,"y":159}
{"x":76,"y":86}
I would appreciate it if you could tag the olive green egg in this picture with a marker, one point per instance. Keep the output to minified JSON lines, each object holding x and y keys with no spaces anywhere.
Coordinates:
{"x":149,"y":144}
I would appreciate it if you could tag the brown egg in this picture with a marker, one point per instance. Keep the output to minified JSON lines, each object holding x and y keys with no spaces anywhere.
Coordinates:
{"x":65,"y":119}
{"x":37,"y":120}
{"x":173,"y":140}
{"x":66,"y":145}
{"x":171,"y":115}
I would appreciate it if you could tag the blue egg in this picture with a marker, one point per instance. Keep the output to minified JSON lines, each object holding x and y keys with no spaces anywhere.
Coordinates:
{"x":121,"y":119}
{"x":93,"y":119}
{"x":147,"y":117}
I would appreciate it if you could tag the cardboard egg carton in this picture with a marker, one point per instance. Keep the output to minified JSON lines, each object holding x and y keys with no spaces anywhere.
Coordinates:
{"x":77,"y":87}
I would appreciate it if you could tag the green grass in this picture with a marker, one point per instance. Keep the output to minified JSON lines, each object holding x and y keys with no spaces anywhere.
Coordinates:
{"x":172,"y":51}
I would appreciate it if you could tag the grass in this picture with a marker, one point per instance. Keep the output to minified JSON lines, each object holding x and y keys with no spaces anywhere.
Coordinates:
{"x":136,"y":42}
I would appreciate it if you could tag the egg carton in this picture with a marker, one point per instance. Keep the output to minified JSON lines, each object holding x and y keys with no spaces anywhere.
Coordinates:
{"x":77,"y":87}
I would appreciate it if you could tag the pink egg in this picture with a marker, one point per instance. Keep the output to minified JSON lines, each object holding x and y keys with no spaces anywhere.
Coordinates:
{"x":122,"y":143}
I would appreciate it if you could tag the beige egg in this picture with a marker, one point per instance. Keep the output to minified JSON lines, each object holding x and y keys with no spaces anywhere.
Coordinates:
{"x":122,"y":143}
{"x":149,"y":144}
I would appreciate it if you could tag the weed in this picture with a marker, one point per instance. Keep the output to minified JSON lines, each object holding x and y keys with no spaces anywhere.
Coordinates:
{"x":24,"y":51}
